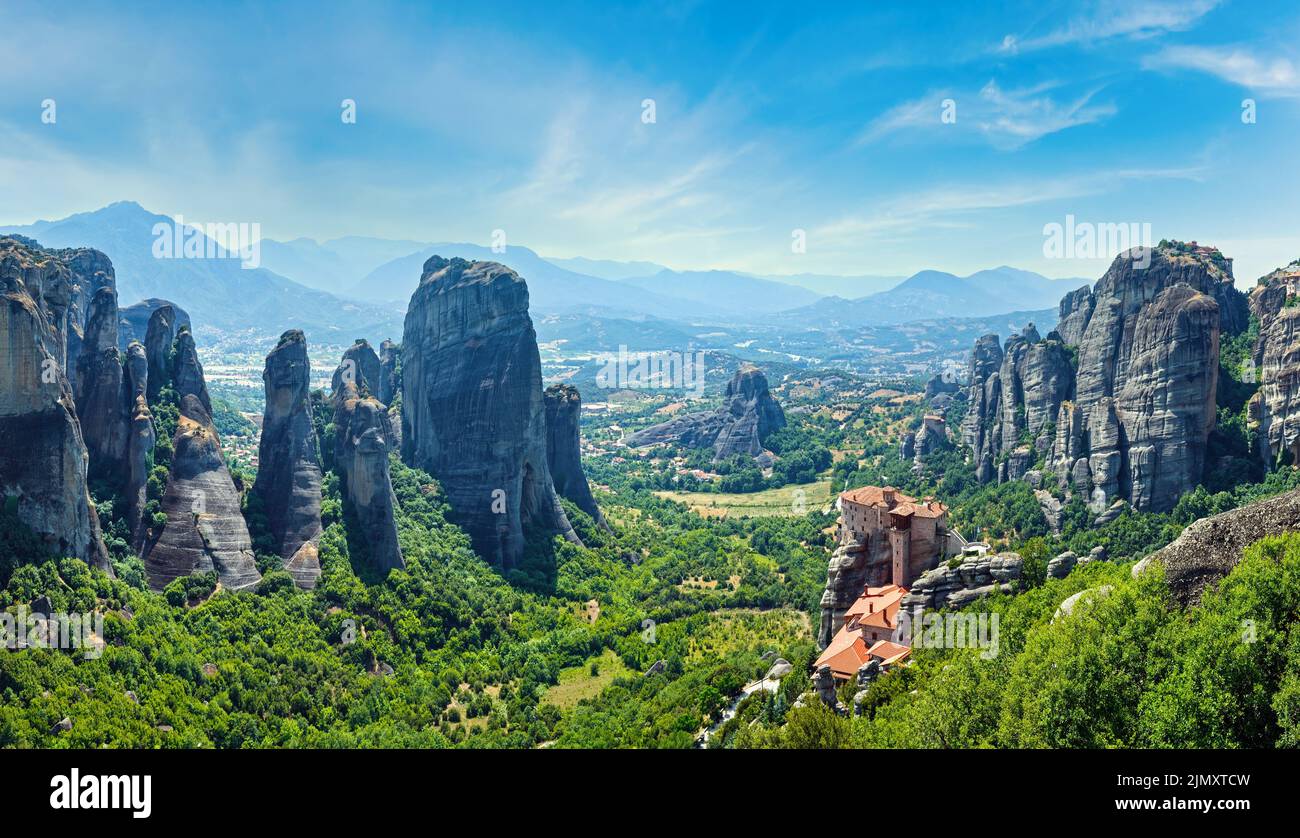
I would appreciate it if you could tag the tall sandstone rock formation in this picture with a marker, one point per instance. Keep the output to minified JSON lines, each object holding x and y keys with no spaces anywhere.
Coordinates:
{"x":187,"y":373}
{"x":43,"y":467}
{"x":1275,"y":407}
{"x":389,"y":354}
{"x":289,"y":470}
{"x":361,"y":366}
{"x":1130,"y":419}
{"x":140,"y":439}
{"x":748,"y":416}
{"x":361,"y":444}
{"x":205,"y":528}
{"x":101,"y":390}
{"x":472,"y":406}
{"x":564,"y":449}
{"x":160,"y":339}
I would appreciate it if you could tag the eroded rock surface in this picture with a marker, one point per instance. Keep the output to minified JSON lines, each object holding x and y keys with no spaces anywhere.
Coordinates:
{"x":362,"y":433}
{"x":289,"y":469}
{"x":472,"y":406}
{"x":564,"y":448}
{"x":205,"y":529}
{"x":1210,"y":548}
{"x":747,"y":417}
{"x":1130,"y":419}
{"x":45,"y":474}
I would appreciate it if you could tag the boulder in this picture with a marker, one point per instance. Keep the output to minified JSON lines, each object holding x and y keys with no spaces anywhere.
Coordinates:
{"x":1210,"y":548}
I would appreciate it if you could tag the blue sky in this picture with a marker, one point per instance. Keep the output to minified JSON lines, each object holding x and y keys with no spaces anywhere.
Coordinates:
{"x":527,"y":117}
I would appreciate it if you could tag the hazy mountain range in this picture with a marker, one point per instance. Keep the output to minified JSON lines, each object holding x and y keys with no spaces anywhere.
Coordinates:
{"x":358,"y":284}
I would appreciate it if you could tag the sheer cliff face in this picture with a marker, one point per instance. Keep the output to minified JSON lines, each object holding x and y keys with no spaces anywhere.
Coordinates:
{"x":564,"y":448}
{"x":45,"y":473}
{"x":1167,"y":403}
{"x":187,"y":372}
{"x":388,"y":357}
{"x":748,"y":416}
{"x":91,"y":271}
{"x":205,"y":529}
{"x":362,"y":433}
{"x":472,"y":406}
{"x":140,"y":439}
{"x":160,"y":337}
{"x":1132,"y":419}
{"x":1276,"y":405}
{"x":1015,"y":397}
{"x":101,"y":395}
{"x":289,"y":472}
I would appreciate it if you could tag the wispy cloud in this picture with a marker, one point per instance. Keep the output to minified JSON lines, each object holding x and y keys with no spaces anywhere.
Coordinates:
{"x":1117,"y":19}
{"x":1006,"y":119}
{"x":1269,"y":76}
{"x":950,"y":207}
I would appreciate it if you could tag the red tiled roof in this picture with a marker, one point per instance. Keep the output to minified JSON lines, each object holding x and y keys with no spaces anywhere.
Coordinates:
{"x":888,"y":651}
{"x":877,"y":607}
{"x":902,"y":504}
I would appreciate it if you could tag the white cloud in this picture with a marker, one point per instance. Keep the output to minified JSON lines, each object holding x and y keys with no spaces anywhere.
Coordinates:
{"x":1006,"y":119}
{"x":1117,"y":19}
{"x":1274,"y":76}
{"x":947,"y":208}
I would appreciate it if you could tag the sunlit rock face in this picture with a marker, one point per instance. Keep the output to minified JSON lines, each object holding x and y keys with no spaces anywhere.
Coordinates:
{"x":473,"y":413}
{"x":205,"y":529}
{"x":43,"y":465}
{"x":564,"y":448}
{"x":1275,"y":407}
{"x":289,"y":469}
{"x":361,"y":446}
{"x":1119,"y":401}
{"x":748,"y":416}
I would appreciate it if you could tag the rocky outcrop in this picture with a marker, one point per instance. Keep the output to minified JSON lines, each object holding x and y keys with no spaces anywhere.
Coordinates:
{"x":942,"y":383}
{"x":847,"y":576}
{"x":1210,"y":548}
{"x":360,"y":366}
{"x":160,"y":338}
{"x":205,"y":530}
{"x":948,"y":586}
{"x":564,"y":449}
{"x":930,"y":437}
{"x":133,"y":321}
{"x":1167,"y":402}
{"x":90,"y":272}
{"x":1075,"y":312}
{"x":389,"y":354}
{"x":747,"y":417}
{"x":984,"y":401}
{"x":140,"y":440}
{"x":472,"y":405}
{"x":1275,"y":407}
{"x":362,"y":433}
{"x":289,"y":471}
{"x":1131,"y":420}
{"x":187,"y":372}
{"x":103,"y":400}
{"x":1015,"y":396}
{"x":43,"y":468}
